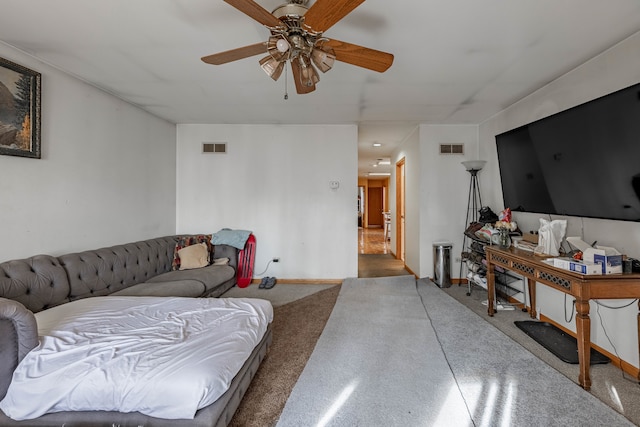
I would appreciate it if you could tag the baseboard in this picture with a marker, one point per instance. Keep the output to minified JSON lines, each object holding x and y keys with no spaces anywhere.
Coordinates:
{"x":411,"y":272}
{"x":615,"y":360}
{"x":453,"y":281}
{"x":517,"y":303}
{"x":305,"y":281}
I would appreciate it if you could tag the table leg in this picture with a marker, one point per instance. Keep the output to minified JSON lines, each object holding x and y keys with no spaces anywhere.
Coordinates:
{"x":531,"y":286}
{"x":583,"y":332}
{"x":491,"y":288}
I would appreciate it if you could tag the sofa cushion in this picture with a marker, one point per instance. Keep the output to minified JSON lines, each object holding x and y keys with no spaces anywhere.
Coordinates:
{"x":211,"y":276}
{"x":185,"y":241}
{"x":178,"y":288}
{"x":194,"y":256}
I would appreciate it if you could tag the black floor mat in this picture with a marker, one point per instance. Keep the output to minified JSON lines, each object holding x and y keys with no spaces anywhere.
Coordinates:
{"x":561,"y":344}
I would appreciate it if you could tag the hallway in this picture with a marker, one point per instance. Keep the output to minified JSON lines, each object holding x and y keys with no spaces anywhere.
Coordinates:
{"x":375,"y":258}
{"x":371,"y":241}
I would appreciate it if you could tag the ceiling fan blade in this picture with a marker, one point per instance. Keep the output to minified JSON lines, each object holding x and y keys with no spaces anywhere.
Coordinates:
{"x":297,"y":78}
{"x":360,"y":56}
{"x":323,"y":14}
{"x":235,"y":54}
{"x":255,"y":11}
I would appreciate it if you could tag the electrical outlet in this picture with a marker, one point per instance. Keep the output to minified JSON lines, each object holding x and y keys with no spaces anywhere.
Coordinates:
{"x":276,"y":259}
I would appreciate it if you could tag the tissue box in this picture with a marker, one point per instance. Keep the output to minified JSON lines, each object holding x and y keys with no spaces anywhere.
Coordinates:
{"x":577,"y":266}
{"x":609,"y":259}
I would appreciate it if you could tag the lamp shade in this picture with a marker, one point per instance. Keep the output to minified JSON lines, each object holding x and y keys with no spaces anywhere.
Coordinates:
{"x":308,"y":75}
{"x":323,"y":58}
{"x":474,"y":165}
{"x":272,"y":67}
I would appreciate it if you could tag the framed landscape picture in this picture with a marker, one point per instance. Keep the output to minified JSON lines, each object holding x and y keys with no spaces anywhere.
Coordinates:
{"x":19,"y":110}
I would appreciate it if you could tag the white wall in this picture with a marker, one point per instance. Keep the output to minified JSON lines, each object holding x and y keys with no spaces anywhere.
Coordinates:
{"x":615,"y":69}
{"x":106,"y":176}
{"x":274,"y":181}
{"x":444,"y":190}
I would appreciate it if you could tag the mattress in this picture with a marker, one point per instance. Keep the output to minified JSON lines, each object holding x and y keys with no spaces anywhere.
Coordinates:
{"x":162,"y":357}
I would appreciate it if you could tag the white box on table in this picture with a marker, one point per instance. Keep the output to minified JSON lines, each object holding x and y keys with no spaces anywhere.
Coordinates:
{"x":609,"y":259}
{"x":577,"y":266}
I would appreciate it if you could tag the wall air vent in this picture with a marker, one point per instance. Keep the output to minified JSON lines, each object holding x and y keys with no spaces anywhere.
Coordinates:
{"x":451,"y":148}
{"x":214,"y":147}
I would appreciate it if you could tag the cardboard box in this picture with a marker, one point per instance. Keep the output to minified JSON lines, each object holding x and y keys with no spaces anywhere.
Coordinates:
{"x":530,"y":237}
{"x":577,"y":266}
{"x":609,"y":259}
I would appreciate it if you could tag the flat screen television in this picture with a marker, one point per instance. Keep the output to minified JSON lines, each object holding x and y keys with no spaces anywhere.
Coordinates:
{"x":584,"y":161}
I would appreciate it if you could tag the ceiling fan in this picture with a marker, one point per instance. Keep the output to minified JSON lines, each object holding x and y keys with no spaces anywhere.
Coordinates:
{"x":297,"y":37}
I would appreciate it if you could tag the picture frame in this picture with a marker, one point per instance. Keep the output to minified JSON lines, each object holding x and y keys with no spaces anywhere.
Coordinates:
{"x":20,"y":94}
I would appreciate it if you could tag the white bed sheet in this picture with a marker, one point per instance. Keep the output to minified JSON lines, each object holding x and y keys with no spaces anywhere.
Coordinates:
{"x":164,"y":357}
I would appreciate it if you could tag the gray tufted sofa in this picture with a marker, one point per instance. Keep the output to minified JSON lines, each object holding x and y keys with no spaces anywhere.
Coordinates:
{"x":134,"y":269}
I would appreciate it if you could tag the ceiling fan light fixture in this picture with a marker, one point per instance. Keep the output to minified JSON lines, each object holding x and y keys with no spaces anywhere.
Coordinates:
{"x":272,"y":67}
{"x":308,"y":74}
{"x":323,"y":58}
{"x":282,"y":45}
{"x":279,"y":48}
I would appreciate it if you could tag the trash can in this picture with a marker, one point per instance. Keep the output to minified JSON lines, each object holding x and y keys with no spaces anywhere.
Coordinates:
{"x":442,"y":264}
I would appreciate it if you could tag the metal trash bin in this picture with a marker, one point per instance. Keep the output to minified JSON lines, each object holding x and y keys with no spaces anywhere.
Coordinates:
{"x":442,"y":264}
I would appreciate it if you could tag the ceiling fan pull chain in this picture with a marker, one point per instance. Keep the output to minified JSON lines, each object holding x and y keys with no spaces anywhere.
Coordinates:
{"x":286,"y":95}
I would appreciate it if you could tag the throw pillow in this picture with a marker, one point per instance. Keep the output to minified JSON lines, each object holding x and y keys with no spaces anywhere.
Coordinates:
{"x":194,"y":256}
{"x":221,"y":261}
{"x":185,"y":241}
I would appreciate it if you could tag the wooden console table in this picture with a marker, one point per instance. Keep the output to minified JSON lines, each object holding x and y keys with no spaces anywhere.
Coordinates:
{"x":582,"y":287}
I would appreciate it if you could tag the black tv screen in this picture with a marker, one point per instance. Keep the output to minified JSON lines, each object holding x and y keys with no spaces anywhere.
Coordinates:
{"x":584,"y":161}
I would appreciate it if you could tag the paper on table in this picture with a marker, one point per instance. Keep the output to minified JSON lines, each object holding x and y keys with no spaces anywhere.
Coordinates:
{"x":578,"y":243}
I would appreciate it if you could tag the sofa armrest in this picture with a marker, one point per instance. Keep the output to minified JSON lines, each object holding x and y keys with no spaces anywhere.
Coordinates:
{"x":18,"y":336}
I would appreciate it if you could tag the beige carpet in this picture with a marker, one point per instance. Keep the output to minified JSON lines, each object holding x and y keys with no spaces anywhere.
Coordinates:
{"x":296,"y":329}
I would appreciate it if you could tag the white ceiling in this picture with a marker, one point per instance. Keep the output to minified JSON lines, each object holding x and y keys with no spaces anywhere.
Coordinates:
{"x":456,"y":61}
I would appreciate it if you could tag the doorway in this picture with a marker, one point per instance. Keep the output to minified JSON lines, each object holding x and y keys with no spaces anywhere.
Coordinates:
{"x":373,"y":201}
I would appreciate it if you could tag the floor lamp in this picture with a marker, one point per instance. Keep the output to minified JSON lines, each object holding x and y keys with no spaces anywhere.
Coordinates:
{"x":474,"y":203}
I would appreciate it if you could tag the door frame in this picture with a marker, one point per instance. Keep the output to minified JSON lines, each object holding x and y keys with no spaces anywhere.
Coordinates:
{"x":400,"y":209}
